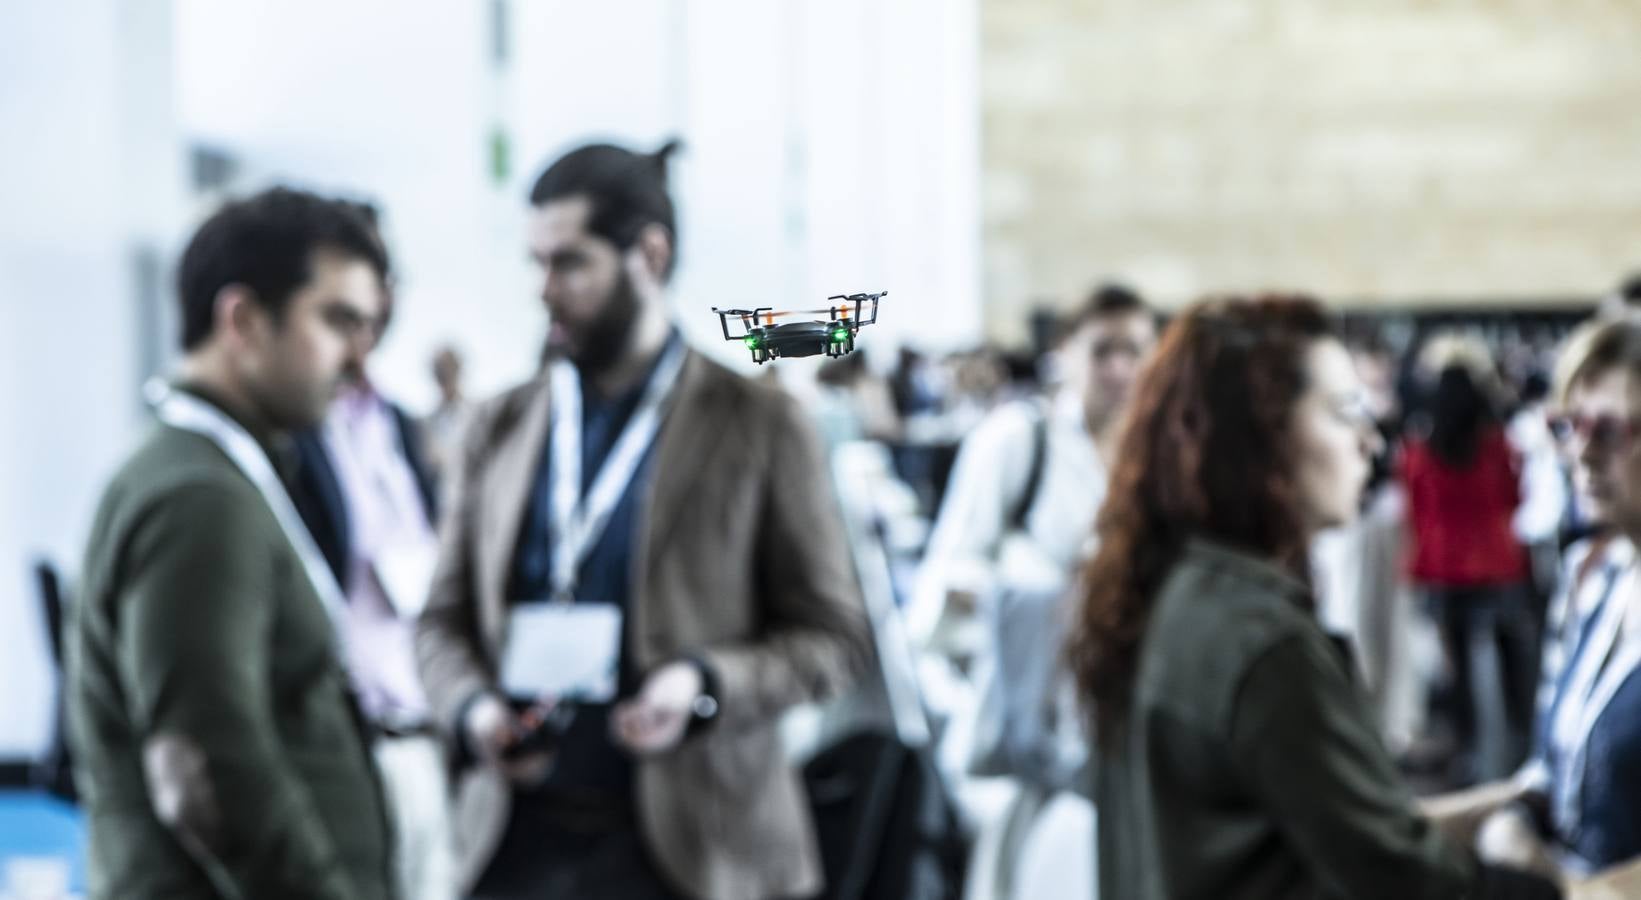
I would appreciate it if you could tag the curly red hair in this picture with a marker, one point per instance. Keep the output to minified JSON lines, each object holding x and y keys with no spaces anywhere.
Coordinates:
{"x":1204,"y":450}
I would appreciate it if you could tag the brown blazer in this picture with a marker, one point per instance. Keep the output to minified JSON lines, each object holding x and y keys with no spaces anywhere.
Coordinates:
{"x":742,"y":560}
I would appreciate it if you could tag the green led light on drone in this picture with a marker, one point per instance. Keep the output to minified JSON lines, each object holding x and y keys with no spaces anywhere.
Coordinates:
{"x":751,"y":341}
{"x":841,"y":335}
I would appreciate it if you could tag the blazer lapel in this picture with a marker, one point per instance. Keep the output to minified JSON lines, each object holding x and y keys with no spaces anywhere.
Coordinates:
{"x":694,"y":428}
{"x":508,"y":489}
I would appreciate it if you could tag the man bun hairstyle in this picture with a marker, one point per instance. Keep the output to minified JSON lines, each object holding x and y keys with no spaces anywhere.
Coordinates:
{"x":626,"y":190}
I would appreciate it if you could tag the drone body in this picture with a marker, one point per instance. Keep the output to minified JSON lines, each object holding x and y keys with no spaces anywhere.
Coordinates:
{"x":832,"y":336}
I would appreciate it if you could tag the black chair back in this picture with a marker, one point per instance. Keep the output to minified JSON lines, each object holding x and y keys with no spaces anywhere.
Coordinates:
{"x":54,"y":772}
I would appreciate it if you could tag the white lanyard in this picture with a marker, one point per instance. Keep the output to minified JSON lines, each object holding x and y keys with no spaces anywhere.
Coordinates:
{"x":184,"y":411}
{"x":578,"y":521}
{"x":1586,"y":663}
{"x":1602,"y":668}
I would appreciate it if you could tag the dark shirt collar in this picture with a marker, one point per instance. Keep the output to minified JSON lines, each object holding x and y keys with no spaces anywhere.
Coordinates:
{"x":590,"y":397}
{"x":1204,"y":550}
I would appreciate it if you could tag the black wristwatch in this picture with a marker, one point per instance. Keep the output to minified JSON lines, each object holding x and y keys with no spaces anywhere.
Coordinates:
{"x":704,"y":710}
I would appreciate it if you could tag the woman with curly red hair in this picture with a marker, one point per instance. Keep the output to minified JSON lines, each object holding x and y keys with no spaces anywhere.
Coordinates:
{"x":1237,"y":758}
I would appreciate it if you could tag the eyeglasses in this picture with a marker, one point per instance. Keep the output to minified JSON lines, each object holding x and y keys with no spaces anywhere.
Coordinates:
{"x":1606,"y":429}
{"x":1109,"y":349}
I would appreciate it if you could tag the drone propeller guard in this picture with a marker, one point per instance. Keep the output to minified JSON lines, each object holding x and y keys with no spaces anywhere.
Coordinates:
{"x":833,"y":336}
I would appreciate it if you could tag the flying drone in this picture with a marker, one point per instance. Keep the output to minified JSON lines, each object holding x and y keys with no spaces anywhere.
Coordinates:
{"x":833,"y":336}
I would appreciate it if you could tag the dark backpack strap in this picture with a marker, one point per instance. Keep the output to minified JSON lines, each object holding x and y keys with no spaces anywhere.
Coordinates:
{"x":1034,"y":475}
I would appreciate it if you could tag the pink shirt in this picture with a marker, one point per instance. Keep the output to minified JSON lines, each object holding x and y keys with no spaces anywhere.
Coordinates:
{"x":385,"y":513}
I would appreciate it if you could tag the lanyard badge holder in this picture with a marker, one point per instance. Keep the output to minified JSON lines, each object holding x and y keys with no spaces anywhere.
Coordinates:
{"x":562,"y":650}
{"x":1605,"y":663}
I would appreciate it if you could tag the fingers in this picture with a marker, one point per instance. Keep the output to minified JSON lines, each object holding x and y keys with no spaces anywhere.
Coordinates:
{"x":495,"y":727}
{"x":647,"y":728}
{"x":532,"y":718}
{"x":491,"y":727}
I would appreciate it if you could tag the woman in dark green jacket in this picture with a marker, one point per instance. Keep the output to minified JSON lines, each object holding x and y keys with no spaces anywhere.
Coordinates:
{"x":1237,"y":758}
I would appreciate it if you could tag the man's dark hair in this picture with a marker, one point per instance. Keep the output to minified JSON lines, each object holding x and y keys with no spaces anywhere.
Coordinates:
{"x":1535,"y":387}
{"x":626,"y":191}
{"x":1106,"y":301}
{"x":1629,"y":290}
{"x":267,"y":242}
{"x":371,"y":215}
{"x":1460,"y":411}
{"x":1111,"y":299}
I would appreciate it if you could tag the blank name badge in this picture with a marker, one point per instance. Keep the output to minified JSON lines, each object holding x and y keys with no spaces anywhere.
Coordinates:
{"x":562,"y":651}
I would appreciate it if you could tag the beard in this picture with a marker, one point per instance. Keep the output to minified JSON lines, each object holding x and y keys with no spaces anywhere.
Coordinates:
{"x":597,"y":345}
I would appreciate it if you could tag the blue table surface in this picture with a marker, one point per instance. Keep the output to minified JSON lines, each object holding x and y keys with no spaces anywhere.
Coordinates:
{"x":33,"y":823}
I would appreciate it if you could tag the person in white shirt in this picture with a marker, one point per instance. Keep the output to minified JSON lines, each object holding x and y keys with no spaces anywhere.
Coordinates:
{"x":1017,"y":522}
{"x":1543,"y":479}
{"x":969,"y":551}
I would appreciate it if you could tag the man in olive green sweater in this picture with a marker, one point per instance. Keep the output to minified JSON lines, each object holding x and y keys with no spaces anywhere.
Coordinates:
{"x":220,"y":753}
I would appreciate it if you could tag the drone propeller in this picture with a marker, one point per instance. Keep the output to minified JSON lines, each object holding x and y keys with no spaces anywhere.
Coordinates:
{"x":830,"y":331}
{"x":775,"y":314}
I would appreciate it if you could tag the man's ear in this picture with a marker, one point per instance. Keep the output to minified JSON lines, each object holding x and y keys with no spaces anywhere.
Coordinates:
{"x":237,"y":316}
{"x":655,"y":245}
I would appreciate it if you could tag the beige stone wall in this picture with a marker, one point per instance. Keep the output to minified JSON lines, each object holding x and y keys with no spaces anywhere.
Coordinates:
{"x":1367,"y":150}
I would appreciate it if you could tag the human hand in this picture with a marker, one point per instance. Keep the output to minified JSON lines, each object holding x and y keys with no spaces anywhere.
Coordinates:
{"x":655,"y":720}
{"x":492,"y":728}
{"x":1507,"y":838}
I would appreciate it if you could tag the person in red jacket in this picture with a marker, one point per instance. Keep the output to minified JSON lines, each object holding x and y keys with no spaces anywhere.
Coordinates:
{"x":1462,"y":479}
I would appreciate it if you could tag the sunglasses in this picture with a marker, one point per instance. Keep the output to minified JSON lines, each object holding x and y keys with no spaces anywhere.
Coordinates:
{"x":1606,"y":429}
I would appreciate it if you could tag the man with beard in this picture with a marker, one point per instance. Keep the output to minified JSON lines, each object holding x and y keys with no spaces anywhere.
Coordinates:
{"x":636,"y":494}
{"x":219,"y":752}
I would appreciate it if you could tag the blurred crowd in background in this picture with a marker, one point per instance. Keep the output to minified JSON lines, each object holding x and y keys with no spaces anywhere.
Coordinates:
{"x":833,"y":594}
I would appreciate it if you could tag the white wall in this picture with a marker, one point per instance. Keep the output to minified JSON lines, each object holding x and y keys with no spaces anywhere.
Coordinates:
{"x":830,"y":147}
{"x":890,"y":151}
{"x":388,"y":101}
{"x":89,"y":173}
